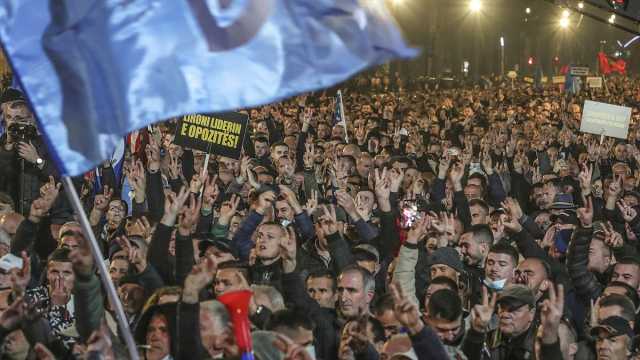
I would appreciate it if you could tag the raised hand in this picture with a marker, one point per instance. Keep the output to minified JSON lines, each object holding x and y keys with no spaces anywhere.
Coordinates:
{"x":395,"y":179}
{"x":152,"y":150}
{"x":291,"y":350}
{"x":551,"y":314}
{"x":348,"y":204}
{"x":513,"y":208}
{"x":146,"y":230}
{"x":628,"y":213}
{"x":137,"y":179}
{"x":82,"y":259}
{"x":101,"y":201}
{"x":59,"y":293}
{"x":172,"y":205}
{"x":615,"y":188}
{"x":100,"y":341}
{"x":328,"y":221}
{"x":585,"y":176}
{"x":312,"y":203}
{"x":612,"y":238}
{"x":136,"y":257}
{"x":288,"y":251}
{"x":382,"y":189}
{"x":309,"y":156}
{"x":443,"y":167}
{"x":228,"y":209}
{"x":481,"y":313}
{"x":211,"y":192}
{"x":190,"y":214}
{"x":585,"y":214}
{"x":12,"y":317}
{"x":196,"y":182}
{"x":265,"y":201}
{"x":406,"y":311}
{"x":418,"y":230}
{"x":291,"y":198}
{"x":487,"y":163}
{"x":200,"y":276}
{"x":28,"y":152}
{"x":173,"y":166}
{"x":40,"y":207}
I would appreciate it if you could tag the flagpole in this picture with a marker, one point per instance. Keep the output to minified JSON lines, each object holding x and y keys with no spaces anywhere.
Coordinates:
{"x":74,"y":199}
{"x":344,"y":116}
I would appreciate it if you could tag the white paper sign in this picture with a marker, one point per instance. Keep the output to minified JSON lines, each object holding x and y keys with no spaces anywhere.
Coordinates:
{"x":594,"y":82}
{"x":605,"y":119}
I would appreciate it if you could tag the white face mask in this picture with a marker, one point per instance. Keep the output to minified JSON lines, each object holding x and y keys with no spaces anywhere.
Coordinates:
{"x":311,"y":350}
{"x":495,"y":285}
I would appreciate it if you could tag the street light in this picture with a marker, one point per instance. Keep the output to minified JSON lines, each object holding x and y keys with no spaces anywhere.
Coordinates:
{"x":564,"y":22}
{"x":475,"y":5}
{"x":502,"y":55}
{"x":580,"y":5}
{"x":565,"y":13}
{"x":527,"y":10}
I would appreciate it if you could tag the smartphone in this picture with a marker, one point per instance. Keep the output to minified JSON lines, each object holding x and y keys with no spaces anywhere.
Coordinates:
{"x":409,"y":214}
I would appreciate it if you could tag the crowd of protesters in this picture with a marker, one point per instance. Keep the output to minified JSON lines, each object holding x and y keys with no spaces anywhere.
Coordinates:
{"x":445,"y":222}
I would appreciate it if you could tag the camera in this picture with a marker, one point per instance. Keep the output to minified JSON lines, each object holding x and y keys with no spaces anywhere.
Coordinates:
{"x":22,"y":131}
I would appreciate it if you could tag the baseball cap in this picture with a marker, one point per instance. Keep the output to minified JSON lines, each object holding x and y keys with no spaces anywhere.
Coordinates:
{"x":223,"y":245}
{"x":446,"y":256}
{"x":613,"y":326}
{"x":516,"y":295}
{"x":367,"y":248}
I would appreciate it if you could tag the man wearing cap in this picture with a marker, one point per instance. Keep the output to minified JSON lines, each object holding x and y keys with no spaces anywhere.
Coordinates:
{"x":515,"y":336}
{"x":445,"y":262}
{"x":613,"y":338}
{"x":219,"y":248}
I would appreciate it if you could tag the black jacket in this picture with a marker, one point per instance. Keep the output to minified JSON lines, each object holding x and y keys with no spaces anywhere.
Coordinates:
{"x":585,"y":282}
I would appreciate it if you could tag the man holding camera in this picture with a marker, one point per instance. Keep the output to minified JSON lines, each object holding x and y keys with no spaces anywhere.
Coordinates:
{"x":25,"y":166}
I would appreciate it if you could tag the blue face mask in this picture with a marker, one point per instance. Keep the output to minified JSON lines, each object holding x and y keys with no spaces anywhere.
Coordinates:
{"x":495,"y":285}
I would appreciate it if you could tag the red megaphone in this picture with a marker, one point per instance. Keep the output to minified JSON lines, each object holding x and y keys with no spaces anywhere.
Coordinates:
{"x":237,"y":303}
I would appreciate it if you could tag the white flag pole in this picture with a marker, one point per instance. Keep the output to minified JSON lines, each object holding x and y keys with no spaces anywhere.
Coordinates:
{"x":344,"y":116}
{"x":74,"y":199}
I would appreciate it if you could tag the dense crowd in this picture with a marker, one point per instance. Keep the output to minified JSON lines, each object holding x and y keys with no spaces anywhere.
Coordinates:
{"x":444,"y":222}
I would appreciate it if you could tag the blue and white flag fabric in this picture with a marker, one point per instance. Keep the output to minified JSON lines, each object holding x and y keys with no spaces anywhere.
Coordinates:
{"x":95,"y":70}
{"x":339,"y":116}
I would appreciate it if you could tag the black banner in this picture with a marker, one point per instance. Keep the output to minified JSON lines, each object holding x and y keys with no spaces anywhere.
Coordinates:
{"x":221,"y":133}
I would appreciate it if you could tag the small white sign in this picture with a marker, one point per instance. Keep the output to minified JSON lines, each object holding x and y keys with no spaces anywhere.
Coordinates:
{"x":605,"y":119}
{"x":579,"y":71}
{"x":594,"y":82}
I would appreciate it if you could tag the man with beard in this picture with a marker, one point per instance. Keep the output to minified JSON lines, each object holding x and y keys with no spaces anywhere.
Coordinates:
{"x":500,"y":266}
{"x":474,"y":246}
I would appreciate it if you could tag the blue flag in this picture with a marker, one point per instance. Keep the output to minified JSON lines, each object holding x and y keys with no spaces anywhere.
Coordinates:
{"x":95,"y":70}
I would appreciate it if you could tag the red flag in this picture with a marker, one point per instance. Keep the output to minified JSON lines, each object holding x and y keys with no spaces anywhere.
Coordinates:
{"x":607,"y":65}
{"x":604,"y":63}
